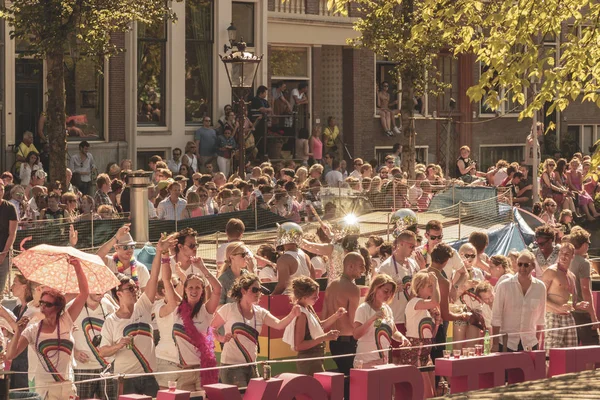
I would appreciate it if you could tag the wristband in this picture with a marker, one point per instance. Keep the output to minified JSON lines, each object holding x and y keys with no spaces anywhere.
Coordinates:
{"x":165,"y":260}
{"x":164,"y":252}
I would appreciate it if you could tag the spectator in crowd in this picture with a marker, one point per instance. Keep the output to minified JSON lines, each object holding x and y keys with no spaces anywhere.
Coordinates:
{"x":519,"y":308}
{"x":466,"y":168}
{"x":299,"y":95}
{"x":24,"y":148}
{"x":303,"y":152}
{"x":152,"y":164}
{"x":101,"y":197}
{"x":171,"y":207}
{"x":53,"y":211}
{"x":575,"y":182}
{"x":190,"y":158}
{"x":82,"y":164}
{"x":551,"y":187}
{"x":434,"y":235}
{"x":358,"y":163}
{"x":31,"y":163}
{"x":206,"y":143}
{"x":116,"y":189}
{"x":8,"y":220}
{"x":88,"y":209}
{"x":397,"y":155}
{"x":334,"y":177}
{"x":123,"y":261}
{"x":7,"y":178}
{"x":175,"y":163}
{"x":500,"y":269}
{"x":70,"y":202}
{"x":17,"y":199}
{"x":126,"y":165}
{"x":70,"y":188}
{"x":315,"y":144}
{"x":331,"y":134}
{"x":226,"y":148}
{"x":387,"y":116}
{"x":260,"y":109}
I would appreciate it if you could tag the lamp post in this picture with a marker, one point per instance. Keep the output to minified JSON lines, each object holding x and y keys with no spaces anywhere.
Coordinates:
{"x":241,"y":68}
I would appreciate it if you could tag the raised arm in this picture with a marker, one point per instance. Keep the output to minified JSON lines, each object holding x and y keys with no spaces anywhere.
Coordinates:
{"x":172,"y":297}
{"x":322,"y":249}
{"x":107,"y":246}
{"x":162,"y":250}
{"x":79,"y":301}
{"x":213,"y":302}
{"x":279,"y":324}
{"x":18,"y":343}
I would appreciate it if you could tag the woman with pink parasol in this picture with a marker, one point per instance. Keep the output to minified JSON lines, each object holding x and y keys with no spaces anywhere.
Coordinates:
{"x":51,"y":340}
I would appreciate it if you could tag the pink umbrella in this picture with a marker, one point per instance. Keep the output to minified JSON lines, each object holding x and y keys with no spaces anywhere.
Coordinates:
{"x":50,"y":266}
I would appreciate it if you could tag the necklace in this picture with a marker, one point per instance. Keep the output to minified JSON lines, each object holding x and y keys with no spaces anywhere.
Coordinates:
{"x":132,"y":266}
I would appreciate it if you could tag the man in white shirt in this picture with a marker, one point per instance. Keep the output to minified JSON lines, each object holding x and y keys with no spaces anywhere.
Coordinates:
{"x":358,"y":162}
{"x":298,"y":96}
{"x":175,"y":163}
{"x":172,"y":207}
{"x":401,"y":267}
{"x":123,"y":260}
{"x":519,"y":307}
{"x":334,"y":178}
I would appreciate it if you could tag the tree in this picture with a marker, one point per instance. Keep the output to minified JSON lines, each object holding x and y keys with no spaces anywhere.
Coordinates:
{"x":505,"y":35}
{"x":55,"y":27}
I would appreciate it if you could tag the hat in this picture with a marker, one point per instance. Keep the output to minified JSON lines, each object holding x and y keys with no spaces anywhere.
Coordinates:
{"x":164,"y":184}
{"x":40,"y":174}
{"x":126,"y":240}
{"x":181,"y":178}
{"x":289,"y":233}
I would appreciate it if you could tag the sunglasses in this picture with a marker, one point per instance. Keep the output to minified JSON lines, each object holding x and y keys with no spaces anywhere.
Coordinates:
{"x":192,"y":246}
{"x":244,"y":254}
{"x":524,"y":265}
{"x":130,"y":288}
{"x":433,"y":237}
{"x":127,"y":246}
{"x":389,"y":162}
{"x":470,"y":256}
{"x":255,"y":289}
{"x":46,"y":304}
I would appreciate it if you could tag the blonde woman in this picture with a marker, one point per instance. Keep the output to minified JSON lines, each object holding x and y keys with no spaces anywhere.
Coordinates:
{"x":189,"y":158}
{"x":374,"y":326}
{"x":237,"y":262}
{"x":193,"y":208}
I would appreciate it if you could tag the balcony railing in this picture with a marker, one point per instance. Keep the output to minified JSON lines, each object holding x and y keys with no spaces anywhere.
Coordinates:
{"x":291,"y":6}
{"x":325,"y":11}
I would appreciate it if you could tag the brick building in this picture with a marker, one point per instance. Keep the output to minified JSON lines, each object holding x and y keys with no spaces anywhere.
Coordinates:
{"x":152,"y":97}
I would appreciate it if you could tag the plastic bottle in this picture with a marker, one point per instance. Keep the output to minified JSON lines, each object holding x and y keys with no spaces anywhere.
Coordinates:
{"x":487,"y":345}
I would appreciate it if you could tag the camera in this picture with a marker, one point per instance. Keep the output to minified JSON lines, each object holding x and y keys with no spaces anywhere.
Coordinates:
{"x":96,"y":340}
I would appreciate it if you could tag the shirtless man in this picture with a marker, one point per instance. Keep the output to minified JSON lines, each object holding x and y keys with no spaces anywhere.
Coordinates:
{"x":388,"y":120}
{"x":560,"y":288}
{"x":343,"y":292}
{"x":292,"y":263}
{"x":440,"y":255}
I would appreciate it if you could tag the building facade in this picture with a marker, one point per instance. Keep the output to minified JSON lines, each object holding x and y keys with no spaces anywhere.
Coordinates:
{"x":152,"y":97}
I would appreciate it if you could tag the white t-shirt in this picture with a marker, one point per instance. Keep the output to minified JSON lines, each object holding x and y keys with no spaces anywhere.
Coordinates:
{"x":221,"y":250}
{"x":402,"y":274}
{"x":334,"y":179}
{"x":296,"y":93}
{"x":454,"y":263}
{"x":243,"y":347}
{"x":87,"y":325}
{"x":376,"y":338}
{"x":140,"y":358}
{"x":267,"y":273}
{"x":318,"y":263}
{"x":419,"y":323}
{"x":499,"y":177}
{"x":166,"y":349}
{"x":187,"y":352}
{"x":51,"y":354}
{"x":34,"y":314}
{"x":142,"y":271}
{"x":191,"y":269}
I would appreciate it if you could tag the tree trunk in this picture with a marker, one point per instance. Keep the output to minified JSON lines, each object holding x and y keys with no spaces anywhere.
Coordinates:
{"x":407,"y":140}
{"x":56,"y":122}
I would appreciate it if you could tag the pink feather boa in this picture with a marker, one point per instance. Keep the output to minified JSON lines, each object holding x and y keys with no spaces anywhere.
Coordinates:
{"x":204,"y":344}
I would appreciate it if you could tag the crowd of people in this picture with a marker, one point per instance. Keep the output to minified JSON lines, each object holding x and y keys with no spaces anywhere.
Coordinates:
{"x":166,"y":318}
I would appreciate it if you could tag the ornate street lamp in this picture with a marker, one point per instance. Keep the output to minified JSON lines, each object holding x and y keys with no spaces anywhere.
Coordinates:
{"x":241,"y":68}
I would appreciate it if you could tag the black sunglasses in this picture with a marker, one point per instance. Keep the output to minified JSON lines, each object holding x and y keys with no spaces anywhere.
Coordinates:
{"x":255,"y":289}
{"x":470,"y":256}
{"x":132,"y":289}
{"x":433,"y":237}
{"x":525,"y":265}
{"x":46,"y":304}
{"x":192,"y":246}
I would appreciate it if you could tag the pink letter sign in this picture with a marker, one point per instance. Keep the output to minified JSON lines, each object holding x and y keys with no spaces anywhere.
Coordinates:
{"x":467,"y":374}
{"x":573,"y":359}
{"x":377,"y":383}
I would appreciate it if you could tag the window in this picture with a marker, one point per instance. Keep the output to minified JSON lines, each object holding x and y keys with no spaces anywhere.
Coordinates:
{"x":242,"y":16}
{"x":144,"y":155}
{"x":288,"y":62}
{"x":579,"y":138}
{"x":151,"y":63}
{"x":384,"y":71}
{"x":448,"y":70}
{"x":198,"y":60}
{"x":507,"y":105}
{"x":84,"y":87}
{"x":489,"y":154}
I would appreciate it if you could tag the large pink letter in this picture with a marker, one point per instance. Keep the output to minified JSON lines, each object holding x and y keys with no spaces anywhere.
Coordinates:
{"x":258,"y":389}
{"x":301,"y":387}
{"x":406,"y":379}
{"x":573,"y":359}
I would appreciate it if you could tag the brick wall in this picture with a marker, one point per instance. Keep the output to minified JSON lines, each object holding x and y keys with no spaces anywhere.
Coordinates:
{"x":116,"y":92}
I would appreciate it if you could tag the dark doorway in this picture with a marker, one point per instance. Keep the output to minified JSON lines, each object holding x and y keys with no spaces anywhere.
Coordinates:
{"x":29,"y":97}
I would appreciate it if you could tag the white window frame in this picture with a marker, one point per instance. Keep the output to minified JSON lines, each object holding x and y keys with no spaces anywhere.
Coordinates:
{"x":595,"y":135}
{"x":502,"y":110}
{"x":425,"y":97}
{"x":483,"y":146}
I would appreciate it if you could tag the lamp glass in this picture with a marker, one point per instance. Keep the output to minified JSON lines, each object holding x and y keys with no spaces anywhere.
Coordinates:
{"x":231,"y":33}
